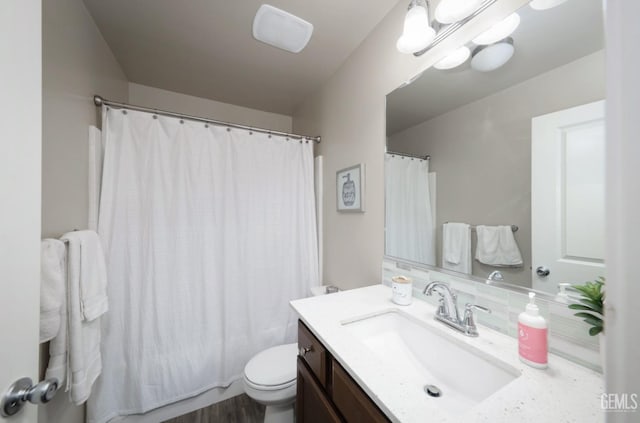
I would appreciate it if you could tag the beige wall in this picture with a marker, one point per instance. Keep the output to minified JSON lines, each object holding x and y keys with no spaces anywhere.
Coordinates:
{"x":77,"y":63}
{"x":348,"y":112}
{"x":481,"y":152}
{"x":143,"y":95}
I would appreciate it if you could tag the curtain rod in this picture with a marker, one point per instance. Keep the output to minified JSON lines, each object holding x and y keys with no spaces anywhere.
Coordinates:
{"x":413,"y":156}
{"x":100,"y":101}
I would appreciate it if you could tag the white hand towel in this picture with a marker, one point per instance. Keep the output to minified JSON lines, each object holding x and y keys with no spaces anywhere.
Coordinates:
{"x":497,"y":246}
{"x":86,"y":297}
{"x":456,"y":247}
{"x":92,"y":273}
{"x":52,"y":287}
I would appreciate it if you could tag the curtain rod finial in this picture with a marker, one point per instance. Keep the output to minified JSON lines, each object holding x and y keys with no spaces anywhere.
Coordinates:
{"x":97,"y":100}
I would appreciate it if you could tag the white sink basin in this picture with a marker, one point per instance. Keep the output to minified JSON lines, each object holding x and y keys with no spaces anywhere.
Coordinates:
{"x":427,"y":356}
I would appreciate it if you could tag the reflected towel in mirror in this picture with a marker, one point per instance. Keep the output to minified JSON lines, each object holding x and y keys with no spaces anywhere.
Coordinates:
{"x":497,"y":246}
{"x":456,"y":247}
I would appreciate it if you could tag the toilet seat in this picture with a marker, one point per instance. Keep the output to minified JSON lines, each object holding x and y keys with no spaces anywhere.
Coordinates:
{"x":272,"y":369}
{"x":269,"y":387}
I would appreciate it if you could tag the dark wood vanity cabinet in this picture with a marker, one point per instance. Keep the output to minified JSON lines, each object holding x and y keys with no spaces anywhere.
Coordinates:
{"x":326,"y":392}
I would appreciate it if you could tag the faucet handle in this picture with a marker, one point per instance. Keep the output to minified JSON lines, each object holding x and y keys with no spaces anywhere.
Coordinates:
{"x":468,"y":307}
{"x":468,"y":321}
{"x":442,"y":307}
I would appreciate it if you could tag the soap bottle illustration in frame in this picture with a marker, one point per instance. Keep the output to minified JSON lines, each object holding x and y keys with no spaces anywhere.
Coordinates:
{"x":350,"y":189}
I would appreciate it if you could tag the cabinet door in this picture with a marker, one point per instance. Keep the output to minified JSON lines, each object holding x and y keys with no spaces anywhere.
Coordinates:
{"x":312,"y":405}
{"x":313,"y":353}
{"x":353,"y":403}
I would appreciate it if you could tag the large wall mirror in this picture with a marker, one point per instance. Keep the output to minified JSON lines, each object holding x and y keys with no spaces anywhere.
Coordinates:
{"x":516,"y":153}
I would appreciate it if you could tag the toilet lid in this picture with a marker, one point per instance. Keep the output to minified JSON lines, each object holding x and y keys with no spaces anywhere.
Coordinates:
{"x":273,"y":366}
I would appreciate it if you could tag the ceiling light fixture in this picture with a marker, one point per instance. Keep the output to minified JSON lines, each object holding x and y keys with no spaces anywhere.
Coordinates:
{"x":492,"y":57}
{"x":450,"y":11}
{"x":545,"y":4}
{"x":417,"y":34}
{"x":499,"y":31}
{"x":453,"y":59}
{"x":281,"y":29}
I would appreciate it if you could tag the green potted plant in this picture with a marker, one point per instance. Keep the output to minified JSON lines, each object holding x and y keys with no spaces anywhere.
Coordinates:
{"x":591,"y":304}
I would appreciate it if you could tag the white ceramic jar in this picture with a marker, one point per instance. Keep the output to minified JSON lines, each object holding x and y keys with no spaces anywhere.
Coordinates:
{"x":402,"y":289}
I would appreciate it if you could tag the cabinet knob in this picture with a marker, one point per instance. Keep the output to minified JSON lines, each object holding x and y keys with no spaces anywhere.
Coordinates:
{"x":303,"y":350}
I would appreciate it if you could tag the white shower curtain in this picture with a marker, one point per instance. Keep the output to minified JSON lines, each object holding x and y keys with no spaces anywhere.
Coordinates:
{"x":409,"y":228}
{"x":208,"y":234}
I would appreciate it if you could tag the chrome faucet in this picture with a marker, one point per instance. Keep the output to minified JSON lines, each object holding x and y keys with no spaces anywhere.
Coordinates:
{"x":496,"y":275}
{"x":447,"y":312}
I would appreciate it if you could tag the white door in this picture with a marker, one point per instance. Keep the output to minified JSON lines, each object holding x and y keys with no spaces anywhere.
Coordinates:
{"x":567,"y":196}
{"x":20,"y":145}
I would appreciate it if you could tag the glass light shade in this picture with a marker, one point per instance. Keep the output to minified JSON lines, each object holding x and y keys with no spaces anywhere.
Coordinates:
{"x":499,"y":31}
{"x":417,"y":34}
{"x":492,"y":57}
{"x":545,"y":4}
{"x":450,"y":11}
{"x":453,"y":59}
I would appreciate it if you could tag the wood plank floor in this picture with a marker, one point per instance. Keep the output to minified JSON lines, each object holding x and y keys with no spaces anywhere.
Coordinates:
{"x":240,"y":409}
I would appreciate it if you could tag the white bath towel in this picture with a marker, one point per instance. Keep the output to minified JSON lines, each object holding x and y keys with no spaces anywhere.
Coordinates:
{"x":497,"y":246}
{"x":52,"y":287}
{"x":456,"y":247}
{"x":58,"y":360}
{"x":86,"y":297}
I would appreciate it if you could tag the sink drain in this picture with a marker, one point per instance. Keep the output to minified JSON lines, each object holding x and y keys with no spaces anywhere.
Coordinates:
{"x":433,"y":391}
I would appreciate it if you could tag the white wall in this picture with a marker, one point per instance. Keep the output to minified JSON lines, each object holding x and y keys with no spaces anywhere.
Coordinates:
{"x":77,"y":63}
{"x":491,"y":139}
{"x":348,"y":112}
{"x":142,"y":95}
{"x":622,"y":367}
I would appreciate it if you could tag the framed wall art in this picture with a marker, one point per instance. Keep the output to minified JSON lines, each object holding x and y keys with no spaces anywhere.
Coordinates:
{"x":350,"y":189}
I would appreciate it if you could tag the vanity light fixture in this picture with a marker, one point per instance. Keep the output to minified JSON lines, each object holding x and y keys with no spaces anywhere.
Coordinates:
{"x":454,"y":59}
{"x":417,"y":33}
{"x":492,"y":57}
{"x":450,"y":11}
{"x":499,"y":31}
{"x":281,"y":29}
{"x":545,"y":4}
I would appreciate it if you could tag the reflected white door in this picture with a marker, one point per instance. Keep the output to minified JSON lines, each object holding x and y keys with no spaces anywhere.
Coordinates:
{"x":567,"y":196}
{"x":20,"y":145}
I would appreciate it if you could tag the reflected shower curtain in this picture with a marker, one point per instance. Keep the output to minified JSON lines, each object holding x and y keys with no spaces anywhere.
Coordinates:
{"x":208,"y":233}
{"x":409,"y":228}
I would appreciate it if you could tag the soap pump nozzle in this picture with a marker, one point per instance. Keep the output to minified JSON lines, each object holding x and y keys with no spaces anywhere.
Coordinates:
{"x":562,"y":296}
{"x":532,"y":308}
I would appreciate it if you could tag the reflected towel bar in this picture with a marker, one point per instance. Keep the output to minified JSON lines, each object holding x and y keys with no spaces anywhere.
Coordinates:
{"x":514,"y":228}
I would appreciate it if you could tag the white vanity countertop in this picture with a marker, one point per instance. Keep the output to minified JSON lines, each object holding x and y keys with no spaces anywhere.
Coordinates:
{"x":565,"y":392}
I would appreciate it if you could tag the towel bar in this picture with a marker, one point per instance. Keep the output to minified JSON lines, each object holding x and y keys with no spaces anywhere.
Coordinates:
{"x":514,"y":228}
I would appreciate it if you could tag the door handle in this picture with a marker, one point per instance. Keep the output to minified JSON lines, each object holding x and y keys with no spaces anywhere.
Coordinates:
{"x":23,"y":390}
{"x":543,"y":271}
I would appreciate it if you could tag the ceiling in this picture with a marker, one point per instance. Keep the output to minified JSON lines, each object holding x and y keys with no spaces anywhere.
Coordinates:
{"x":205,"y":48}
{"x":544,"y":40}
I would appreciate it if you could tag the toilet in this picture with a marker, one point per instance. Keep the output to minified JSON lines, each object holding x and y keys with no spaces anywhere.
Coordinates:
{"x":270,"y":376}
{"x":270,"y":379}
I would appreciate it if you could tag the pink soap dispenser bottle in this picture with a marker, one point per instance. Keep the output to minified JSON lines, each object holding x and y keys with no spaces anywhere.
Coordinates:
{"x":532,"y":335}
